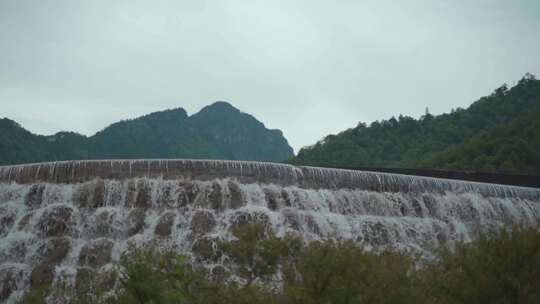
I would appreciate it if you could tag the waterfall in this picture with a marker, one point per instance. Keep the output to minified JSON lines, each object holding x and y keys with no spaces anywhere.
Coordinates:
{"x":64,"y":221}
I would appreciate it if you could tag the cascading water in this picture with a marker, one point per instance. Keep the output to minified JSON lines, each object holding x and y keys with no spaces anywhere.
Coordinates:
{"x":62,"y":222}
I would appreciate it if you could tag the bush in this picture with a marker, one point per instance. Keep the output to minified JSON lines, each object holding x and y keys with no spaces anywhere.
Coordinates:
{"x":498,"y":267}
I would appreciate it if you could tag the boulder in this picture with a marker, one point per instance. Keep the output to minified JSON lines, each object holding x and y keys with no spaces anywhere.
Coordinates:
{"x":376,"y":234}
{"x":218,"y":273}
{"x":34,"y":197}
{"x":235,"y":195}
{"x":90,"y":282}
{"x":207,"y":249}
{"x":164,"y":225}
{"x":42,"y":276}
{"x":202,"y":222}
{"x":143,"y":198}
{"x":135,"y":221}
{"x":25,"y":220}
{"x":98,"y":197}
{"x":55,"y":250}
{"x":188,"y":192}
{"x":215,"y":197}
{"x":55,"y":222}
{"x":7,"y":219}
{"x":103,"y":223}
{"x":242,"y":218}
{"x":96,"y":253}
{"x":291,"y":218}
{"x":271,"y":199}
{"x":90,"y":194}
{"x":8,"y":282}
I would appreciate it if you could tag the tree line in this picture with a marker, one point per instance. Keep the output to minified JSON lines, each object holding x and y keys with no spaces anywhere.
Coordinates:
{"x":499,"y":133}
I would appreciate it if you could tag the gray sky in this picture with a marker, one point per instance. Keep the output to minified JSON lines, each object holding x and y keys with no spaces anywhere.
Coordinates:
{"x":309,"y":68}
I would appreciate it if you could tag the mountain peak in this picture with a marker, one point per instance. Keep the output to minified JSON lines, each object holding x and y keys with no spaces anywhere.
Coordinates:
{"x":178,"y":113}
{"x":220,"y":107}
{"x":218,"y":131}
{"x":8,"y":123}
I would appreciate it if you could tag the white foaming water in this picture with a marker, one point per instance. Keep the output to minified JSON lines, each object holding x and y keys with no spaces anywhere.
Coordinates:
{"x":63,"y":221}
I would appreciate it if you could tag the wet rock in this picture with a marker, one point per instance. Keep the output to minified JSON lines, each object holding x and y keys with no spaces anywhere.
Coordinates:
{"x":312,"y":224}
{"x":164,"y":225}
{"x":403,"y":209}
{"x":56,"y":222}
{"x":188,"y":193}
{"x":215,"y":197}
{"x":96,"y":253}
{"x":291,"y":219}
{"x":431,"y":204}
{"x":242,"y":218}
{"x":6,"y":222}
{"x":90,"y":194}
{"x":84,"y":281}
{"x":135,"y":221}
{"x":376,"y":234}
{"x":218,"y":273}
{"x":286,"y":198}
{"x":103,"y":224}
{"x":131,"y":194}
{"x":82,"y":195}
{"x":25,"y":221}
{"x":143,"y":199}
{"x":236,"y":199}
{"x":34,"y":197}
{"x":417,"y":207}
{"x":98,"y":197}
{"x":442,"y":238}
{"x":55,"y":250}
{"x":411,"y":233}
{"x":8,"y":282}
{"x":165,"y":197}
{"x":271,"y":199}
{"x":42,"y":276}
{"x":90,"y":282}
{"x":182,"y":198}
{"x":8,"y":195}
{"x":202,"y":222}
{"x":13,"y":251}
{"x":207,"y":249}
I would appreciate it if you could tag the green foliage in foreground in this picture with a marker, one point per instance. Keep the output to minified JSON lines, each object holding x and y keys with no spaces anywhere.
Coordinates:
{"x":497,"y":133}
{"x":499,"y":267}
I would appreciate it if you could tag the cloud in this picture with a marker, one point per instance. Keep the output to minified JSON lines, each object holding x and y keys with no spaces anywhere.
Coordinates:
{"x":309,"y":68}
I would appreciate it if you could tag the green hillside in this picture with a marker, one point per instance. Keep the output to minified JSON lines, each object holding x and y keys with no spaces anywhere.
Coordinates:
{"x":497,"y":133}
{"x":219,"y":131}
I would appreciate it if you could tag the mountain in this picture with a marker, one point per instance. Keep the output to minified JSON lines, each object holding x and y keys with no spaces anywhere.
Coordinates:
{"x":226,"y":129}
{"x":511,"y":147}
{"x":497,"y":133}
{"x":218,"y":131}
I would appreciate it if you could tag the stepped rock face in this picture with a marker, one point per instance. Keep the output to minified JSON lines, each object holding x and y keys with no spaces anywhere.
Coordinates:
{"x":62,"y":223}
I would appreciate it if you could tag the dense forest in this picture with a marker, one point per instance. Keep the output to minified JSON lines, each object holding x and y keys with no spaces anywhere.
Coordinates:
{"x":218,"y":131}
{"x":498,"y":133}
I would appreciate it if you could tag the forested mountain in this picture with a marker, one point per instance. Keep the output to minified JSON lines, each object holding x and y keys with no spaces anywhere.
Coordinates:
{"x":498,"y":133}
{"x":218,"y":131}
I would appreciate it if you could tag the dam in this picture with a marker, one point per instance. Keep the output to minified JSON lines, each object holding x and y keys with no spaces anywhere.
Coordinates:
{"x":64,"y":222}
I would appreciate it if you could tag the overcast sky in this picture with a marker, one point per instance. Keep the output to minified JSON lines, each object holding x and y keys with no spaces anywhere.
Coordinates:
{"x":309,"y":68}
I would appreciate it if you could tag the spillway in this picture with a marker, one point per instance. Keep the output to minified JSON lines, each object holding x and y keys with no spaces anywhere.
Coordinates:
{"x":64,"y":222}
